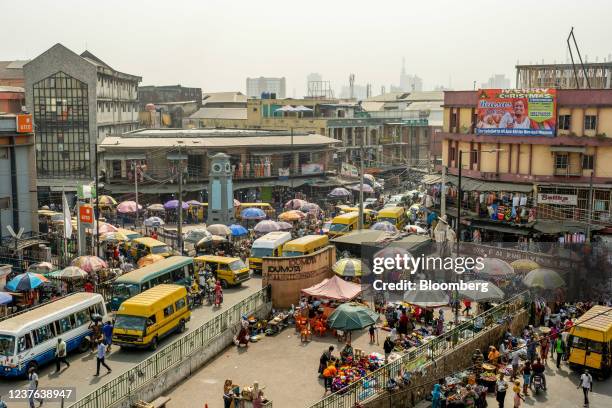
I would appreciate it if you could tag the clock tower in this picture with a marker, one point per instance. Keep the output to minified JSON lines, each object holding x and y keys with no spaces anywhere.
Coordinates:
{"x":220,"y":190}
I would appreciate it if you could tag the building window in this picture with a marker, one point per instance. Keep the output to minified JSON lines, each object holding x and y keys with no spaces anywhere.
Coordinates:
{"x":587,"y":162}
{"x":4,"y":153}
{"x":453,"y":119}
{"x":194,"y":165}
{"x":452,"y":153}
{"x":590,"y":122}
{"x":565,"y":122}
{"x":561,"y":161}
{"x":474,"y":157}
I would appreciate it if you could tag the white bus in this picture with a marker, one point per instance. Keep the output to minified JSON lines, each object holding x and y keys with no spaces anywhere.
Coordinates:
{"x":270,"y":244}
{"x":30,"y":338}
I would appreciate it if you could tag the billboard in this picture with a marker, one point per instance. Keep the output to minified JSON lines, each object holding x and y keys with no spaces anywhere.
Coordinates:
{"x":517,"y":112}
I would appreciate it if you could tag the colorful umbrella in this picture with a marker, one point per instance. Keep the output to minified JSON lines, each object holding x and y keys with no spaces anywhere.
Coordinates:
{"x":493,"y":292}
{"x":105,"y":227}
{"x":543,"y":278}
{"x":368,"y":178}
{"x":339,"y":192}
{"x":149,"y":259}
{"x":25,"y":282}
{"x":253,"y":214}
{"x":69,"y":273}
{"x":219,"y":229}
{"x":194,"y":203}
{"x":153,"y":222}
{"x":156,"y":207}
{"x":366,"y":188}
{"x":173,"y":205}
{"x":106,"y":201}
{"x":126,"y":207}
{"x":41,"y":267}
{"x":384,"y":226}
{"x":426,"y":298}
{"x":349,"y":267}
{"x":284,"y":226}
{"x":352,"y":316}
{"x":494,"y":267}
{"x":292,"y":215}
{"x":524,"y":265}
{"x":266,"y":226}
{"x":5,"y":298}
{"x":311,"y":207}
{"x":238,"y":230}
{"x":294,"y":204}
{"x":89,"y":263}
{"x":113,"y":237}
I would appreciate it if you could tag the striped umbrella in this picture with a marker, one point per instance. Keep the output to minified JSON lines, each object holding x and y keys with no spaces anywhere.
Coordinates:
{"x":349,"y":267}
{"x":89,"y":263}
{"x":265,"y":226}
{"x":495,"y":268}
{"x":69,"y":273}
{"x":384,"y":226}
{"x":106,"y":201}
{"x":524,"y":265}
{"x":492,"y":293}
{"x":543,"y":278}
{"x":25,"y":282}
{"x":292,"y":215}
{"x":426,"y":298}
{"x":366,"y":188}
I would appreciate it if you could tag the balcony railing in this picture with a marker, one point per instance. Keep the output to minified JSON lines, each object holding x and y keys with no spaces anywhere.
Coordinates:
{"x":569,"y":171}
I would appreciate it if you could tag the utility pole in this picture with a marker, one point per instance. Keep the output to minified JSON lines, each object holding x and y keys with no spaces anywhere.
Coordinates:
{"x":590,"y":210}
{"x":443,"y":193}
{"x":97,"y":238}
{"x":292,"y":162}
{"x":179,"y":229}
{"x":136,"y":171}
{"x":459,"y":194}
{"x":360,"y":222}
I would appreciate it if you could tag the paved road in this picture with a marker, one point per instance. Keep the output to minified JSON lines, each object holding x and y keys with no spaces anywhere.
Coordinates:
{"x":83,"y":366}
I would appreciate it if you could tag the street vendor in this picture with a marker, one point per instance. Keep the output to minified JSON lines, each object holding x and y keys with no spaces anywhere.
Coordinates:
{"x":325,"y":358}
{"x":477,"y":361}
{"x":493,"y":355}
{"x":347,"y":352}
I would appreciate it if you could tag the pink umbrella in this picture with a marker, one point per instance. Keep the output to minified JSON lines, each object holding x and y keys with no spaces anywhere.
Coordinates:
{"x":104,"y":228}
{"x":125,"y":207}
{"x":89,"y":263}
{"x":295,"y":204}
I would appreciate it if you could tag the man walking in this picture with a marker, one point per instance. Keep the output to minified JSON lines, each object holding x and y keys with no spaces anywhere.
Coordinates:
{"x":107,"y":332}
{"x":100,"y":358}
{"x":586,"y":382}
{"x":60,"y":355}
{"x":560,"y":350}
{"x":33,"y":386}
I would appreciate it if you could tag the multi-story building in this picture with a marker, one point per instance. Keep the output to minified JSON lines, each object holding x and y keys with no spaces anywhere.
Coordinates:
{"x":76,"y":100}
{"x":497,"y":81}
{"x":594,"y":75}
{"x":18,"y":200}
{"x":534,"y":178}
{"x":256,"y":87}
{"x":11,"y":73}
{"x":409,"y":83}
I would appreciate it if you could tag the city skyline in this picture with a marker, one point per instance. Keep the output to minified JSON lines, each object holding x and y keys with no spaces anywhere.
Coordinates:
{"x":371,"y":45}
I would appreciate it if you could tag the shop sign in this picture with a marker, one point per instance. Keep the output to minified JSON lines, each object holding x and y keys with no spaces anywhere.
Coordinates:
{"x":348,"y":170}
{"x":86,"y":192}
{"x":517,"y":112}
{"x":86,"y":214}
{"x":312,"y":168}
{"x":283,"y":173}
{"x":24,"y":123}
{"x":562,"y":199}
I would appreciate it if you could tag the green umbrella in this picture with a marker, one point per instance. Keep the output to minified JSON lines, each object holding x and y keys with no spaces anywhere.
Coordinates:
{"x":352,"y":316}
{"x":544,"y":279}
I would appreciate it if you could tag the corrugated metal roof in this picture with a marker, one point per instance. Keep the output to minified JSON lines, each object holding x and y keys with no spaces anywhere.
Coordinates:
{"x":220,"y":97}
{"x":220,"y":113}
{"x":470,"y":184}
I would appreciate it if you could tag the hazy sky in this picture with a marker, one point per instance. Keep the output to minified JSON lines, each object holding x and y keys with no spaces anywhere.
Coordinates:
{"x":216,"y":44}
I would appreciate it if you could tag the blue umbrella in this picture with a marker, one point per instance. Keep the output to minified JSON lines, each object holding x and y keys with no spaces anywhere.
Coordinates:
{"x":253,"y":214}
{"x":153,"y":222}
{"x":238,"y":230}
{"x":5,"y":298}
{"x":26,"y":281}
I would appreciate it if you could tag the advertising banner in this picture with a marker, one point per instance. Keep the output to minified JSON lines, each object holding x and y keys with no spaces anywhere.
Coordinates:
{"x":348,"y":170}
{"x":312,"y":168}
{"x":517,"y":112}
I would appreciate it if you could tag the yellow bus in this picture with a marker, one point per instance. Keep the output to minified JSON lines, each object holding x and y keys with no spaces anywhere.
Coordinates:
{"x":305,"y":245}
{"x":590,"y":340}
{"x":144,"y":319}
{"x":369,"y":215}
{"x":265,"y":207}
{"x":229,"y":271}
{"x":395,"y":215}
{"x":140,"y":247}
{"x":129,"y":233}
{"x":270,"y":244}
{"x":343,"y":224}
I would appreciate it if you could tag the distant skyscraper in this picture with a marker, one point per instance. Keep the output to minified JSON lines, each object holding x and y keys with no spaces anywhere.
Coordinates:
{"x":313,"y":77}
{"x":257,"y":86}
{"x":409,"y":83}
{"x":497,"y":81}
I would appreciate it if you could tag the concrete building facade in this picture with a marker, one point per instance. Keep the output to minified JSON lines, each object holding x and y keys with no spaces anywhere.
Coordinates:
{"x":76,"y":100}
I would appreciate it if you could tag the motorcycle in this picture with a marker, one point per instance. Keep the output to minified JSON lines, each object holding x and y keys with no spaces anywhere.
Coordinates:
{"x":538,"y":383}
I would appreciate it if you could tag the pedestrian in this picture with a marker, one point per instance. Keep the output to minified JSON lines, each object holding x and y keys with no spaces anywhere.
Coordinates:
{"x":388,"y":346}
{"x":526,"y":371}
{"x":515,"y":359}
{"x":2,"y":403}
{"x":560,"y":350}
{"x":107,"y":332}
{"x":60,"y":355}
{"x":436,"y":396}
{"x":328,"y":376}
{"x":372,"y":331}
{"x":586,"y":382}
{"x":100,"y":358}
{"x":325,"y":358}
{"x":228,"y":393}
{"x":33,"y":386}
{"x":500,"y":390}
{"x":517,"y":394}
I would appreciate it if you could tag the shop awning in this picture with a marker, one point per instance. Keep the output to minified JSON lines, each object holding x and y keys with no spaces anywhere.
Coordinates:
{"x":568,"y":149}
{"x":506,"y":229}
{"x":554,"y":227}
{"x":124,"y":156}
{"x":470,"y":184}
{"x":334,"y":288}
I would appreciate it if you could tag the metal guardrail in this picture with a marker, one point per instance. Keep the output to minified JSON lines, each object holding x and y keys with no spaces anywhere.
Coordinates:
{"x":121,"y":387}
{"x":371,"y":385}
